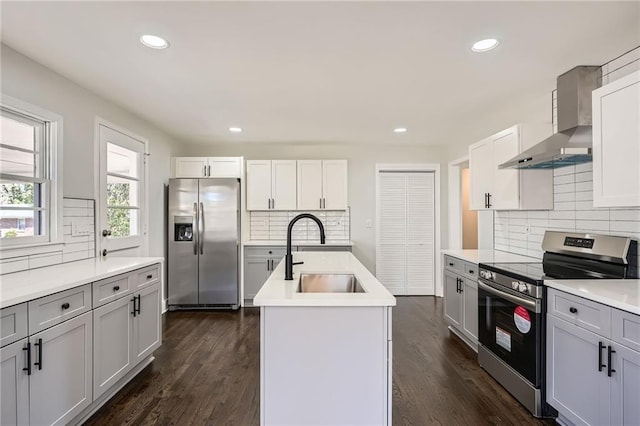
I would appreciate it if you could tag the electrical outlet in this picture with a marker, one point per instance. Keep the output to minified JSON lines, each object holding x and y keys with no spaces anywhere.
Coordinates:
{"x":81,"y":228}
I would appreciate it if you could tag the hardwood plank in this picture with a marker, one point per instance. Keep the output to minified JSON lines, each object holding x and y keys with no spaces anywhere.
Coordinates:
{"x":207,"y":372}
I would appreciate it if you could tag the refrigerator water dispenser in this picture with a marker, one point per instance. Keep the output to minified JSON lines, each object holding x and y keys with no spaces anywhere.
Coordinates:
{"x":183,"y":228}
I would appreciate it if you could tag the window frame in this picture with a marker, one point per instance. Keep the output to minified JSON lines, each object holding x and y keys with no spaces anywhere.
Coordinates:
{"x":51,"y":161}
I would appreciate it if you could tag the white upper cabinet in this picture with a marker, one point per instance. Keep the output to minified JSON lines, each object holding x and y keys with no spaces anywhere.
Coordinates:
{"x":271,"y":184}
{"x":616,"y":143}
{"x":322,"y":184}
{"x":204,"y":167}
{"x":506,"y":189}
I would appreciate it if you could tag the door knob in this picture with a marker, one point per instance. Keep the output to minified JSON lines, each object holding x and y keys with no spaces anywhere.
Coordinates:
{"x":106,"y":232}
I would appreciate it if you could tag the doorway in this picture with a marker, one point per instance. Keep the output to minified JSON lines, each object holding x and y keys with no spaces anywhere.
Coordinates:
{"x":469,"y":217}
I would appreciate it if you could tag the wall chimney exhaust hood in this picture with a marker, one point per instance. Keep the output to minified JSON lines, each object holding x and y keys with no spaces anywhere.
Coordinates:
{"x":572,"y":143}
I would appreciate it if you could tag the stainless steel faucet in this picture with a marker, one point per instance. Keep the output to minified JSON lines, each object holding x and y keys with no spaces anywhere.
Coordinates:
{"x":288,"y":258}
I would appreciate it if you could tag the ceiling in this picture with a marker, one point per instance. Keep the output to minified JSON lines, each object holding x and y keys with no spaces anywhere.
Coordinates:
{"x":338,"y":72}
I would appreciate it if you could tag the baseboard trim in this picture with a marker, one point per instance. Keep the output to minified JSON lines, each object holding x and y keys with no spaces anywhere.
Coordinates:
{"x":97,"y":404}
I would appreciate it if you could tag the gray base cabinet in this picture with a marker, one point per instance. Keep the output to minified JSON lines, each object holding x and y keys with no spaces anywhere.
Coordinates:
{"x":593,"y":369}
{"x":147,"y":335}
{"x":60,"y":385}
{"x":461,"y":298}
{"x":14,"y":393}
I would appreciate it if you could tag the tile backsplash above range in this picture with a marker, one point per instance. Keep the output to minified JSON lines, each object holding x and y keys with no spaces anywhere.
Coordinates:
{"x":265,"y":225}
{"x":522,"y":231}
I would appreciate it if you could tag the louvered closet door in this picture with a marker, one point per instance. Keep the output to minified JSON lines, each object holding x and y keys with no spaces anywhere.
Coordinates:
{"x":391,"y":262}
{"x":405,"y":257}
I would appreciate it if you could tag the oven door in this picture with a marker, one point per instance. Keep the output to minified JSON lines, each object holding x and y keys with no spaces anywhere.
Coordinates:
{"x":510,"y":326}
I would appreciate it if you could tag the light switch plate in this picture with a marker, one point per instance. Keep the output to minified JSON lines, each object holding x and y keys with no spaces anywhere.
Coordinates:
{"x":80,"y":229}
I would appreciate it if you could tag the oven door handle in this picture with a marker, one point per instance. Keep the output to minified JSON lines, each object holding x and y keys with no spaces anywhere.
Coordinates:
{"x":531,"y":305}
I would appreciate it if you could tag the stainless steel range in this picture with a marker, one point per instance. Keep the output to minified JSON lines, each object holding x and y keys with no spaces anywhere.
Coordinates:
{"x":512,"y":306}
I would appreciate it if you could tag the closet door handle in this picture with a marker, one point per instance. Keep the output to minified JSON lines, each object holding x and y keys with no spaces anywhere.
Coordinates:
{"x":39,"y":345}
{"x":28,"y":367}
{"x":601,"y":346}
{"x":610,"y":353}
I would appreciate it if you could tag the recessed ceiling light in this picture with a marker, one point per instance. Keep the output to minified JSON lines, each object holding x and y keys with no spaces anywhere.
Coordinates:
{"x":485,"y":45}
{"x":400,"y":130}
{"x":154,"y":42}
{"x":235,"y":129}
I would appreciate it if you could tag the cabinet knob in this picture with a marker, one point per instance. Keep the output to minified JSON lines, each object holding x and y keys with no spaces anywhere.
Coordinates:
{"x":573,"y":310}
{"x":149,"y":276}
{"x":116,"y":288}
{"x":65,"y":305}
{"x":450,"y":264}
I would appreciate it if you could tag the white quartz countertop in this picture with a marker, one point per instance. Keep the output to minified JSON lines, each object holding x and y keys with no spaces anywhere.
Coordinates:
{"x":488,"y":256}
{"x":276,"y":291}
{"x":621,"y":294}
{"x":346,"y":243}
{"x":28,"y":285}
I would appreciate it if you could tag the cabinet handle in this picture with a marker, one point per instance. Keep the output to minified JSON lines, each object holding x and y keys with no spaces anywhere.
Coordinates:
{"x":268,"y":265}
{"x":116,"y":288}
{"x":28,"y":367}
{"x":486,"y":203}
{"x":134,"y":307}
{"x":320,"y":203}
{"x":610,"y":352}
{"x":573,"y":310}
{"x":149,"y":276}
{"x":204,"y":171}
{"x":601,"y":346}
{"x":39,"y":345}
{"x":209,"y":171}
{"x":65,"y":305}
{"x":138,"y":296}
{"x":457,"y":285}
{"x":489,"y":200}
{"x":272,"y":264}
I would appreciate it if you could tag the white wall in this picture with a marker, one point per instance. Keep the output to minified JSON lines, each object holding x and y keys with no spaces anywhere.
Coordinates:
{"x":362,"y":160}
{"x":27,"y":80}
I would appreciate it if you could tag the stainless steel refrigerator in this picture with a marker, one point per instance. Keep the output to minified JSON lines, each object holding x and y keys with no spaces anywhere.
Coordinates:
{"x":204,"y":236}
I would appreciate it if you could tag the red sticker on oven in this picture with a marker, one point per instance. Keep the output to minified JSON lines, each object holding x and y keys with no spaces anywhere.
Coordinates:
{"x":522,"y":319}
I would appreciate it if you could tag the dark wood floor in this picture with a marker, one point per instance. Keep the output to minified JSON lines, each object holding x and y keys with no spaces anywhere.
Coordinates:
{"x":207,"y":372}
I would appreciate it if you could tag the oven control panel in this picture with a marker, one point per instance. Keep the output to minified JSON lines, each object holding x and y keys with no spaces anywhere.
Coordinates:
{"x":521,"y":287}
{"x":497,"y":279}
{"x":487,"y":275}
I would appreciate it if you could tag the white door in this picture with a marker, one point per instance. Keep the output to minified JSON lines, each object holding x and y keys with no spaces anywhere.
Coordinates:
{"x":616,"y":143}
{"x":334,"y":184}
{"x":14,"y":393}
{"x":61,"y":385}
{"x":189,"y":167}
{"x":481,"y":166}
{"x":112,"y":337}
{"x":625,"y":386}
{"x":506,"y":191}
{"x":258,"y":184}
{"x":405,"y":249}
{"x":283,"y":184}
{"x":309,"y":184}
{"x":122,"y":223}
{"x":147,"y":332}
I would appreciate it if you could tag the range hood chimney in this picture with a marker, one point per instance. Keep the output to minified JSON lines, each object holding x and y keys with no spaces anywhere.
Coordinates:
{"x":572,"y":143}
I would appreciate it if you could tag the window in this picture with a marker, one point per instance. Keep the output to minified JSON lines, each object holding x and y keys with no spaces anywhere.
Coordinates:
{"x":29,"y":189}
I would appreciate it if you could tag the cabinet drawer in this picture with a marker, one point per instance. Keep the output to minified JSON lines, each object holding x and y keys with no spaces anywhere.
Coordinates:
{"x":13,"y":324}
{"x":581,"y":312}
{"x":51,"y":310}
{"x":146,"y":276}
{"x":453,"y":264}
{"x":625,"y":328}
{"x":104,"y":291}
{"x":471,"y":269}
{"x":271,"y":252}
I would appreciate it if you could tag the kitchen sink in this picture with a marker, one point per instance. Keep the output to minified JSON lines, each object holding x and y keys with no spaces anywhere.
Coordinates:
{"x":329,"y":283}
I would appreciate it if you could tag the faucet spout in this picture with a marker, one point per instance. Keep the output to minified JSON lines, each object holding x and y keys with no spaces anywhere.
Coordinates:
{"x":288,"y":258}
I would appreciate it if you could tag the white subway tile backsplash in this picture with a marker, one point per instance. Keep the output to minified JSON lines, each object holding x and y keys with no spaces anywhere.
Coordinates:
{"x":273,"y":226}
{"x":573,"y":211}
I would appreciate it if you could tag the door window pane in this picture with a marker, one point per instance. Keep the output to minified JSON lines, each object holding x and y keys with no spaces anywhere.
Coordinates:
{"x":122,"y":161}
{"x":122,"y":222}
{"x":122,"y":192}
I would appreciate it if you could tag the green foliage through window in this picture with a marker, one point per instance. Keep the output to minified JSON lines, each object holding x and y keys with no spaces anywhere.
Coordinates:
{"x":12,"y":194}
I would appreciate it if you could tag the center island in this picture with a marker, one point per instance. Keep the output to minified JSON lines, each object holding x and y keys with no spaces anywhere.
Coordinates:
{"x":325,"y":344}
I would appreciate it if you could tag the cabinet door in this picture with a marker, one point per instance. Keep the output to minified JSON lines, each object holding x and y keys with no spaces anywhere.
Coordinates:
{"x":112,"y":338}
{"x":452,"y":300}
{"x":334,"y":184}
{"x":147,"y":330}
{"x":506,"y":187}
{"x":189,"y":167}
{"x":256,"y":272}
{"x":616,"y":143}
{"x":575,"y":387}
{"x":309,"y":184}
{"x":61,"y":387}
{"x":283,"y":184}
{"x":470,"y":308}
{"x":14,"y":393}
{"x":223,"y":167}
{"x":625,"y":387}
{"x":258,"y":184}
{"x":481,"y":166}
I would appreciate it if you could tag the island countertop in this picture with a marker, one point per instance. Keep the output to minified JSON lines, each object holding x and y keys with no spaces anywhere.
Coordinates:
{"x":23,"y":286}
{"x":277,"y":291}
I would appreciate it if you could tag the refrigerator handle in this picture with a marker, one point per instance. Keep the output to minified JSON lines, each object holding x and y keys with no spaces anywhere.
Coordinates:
{"x":196,"y":236}
{"x":201,"y":227}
